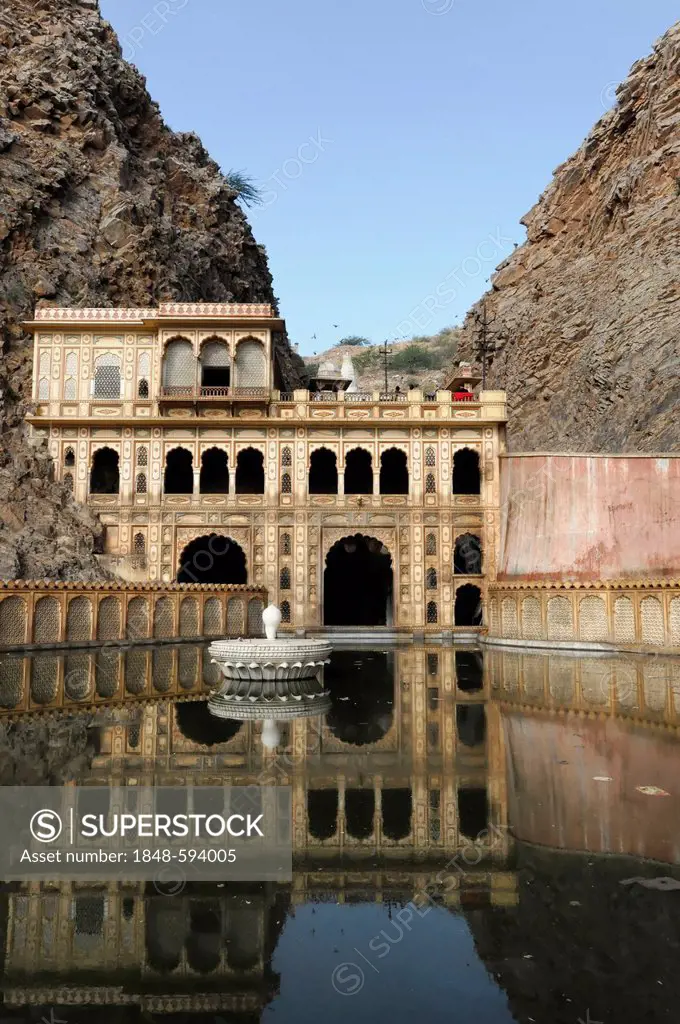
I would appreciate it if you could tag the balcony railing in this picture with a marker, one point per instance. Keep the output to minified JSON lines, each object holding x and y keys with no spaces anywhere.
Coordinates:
{"x":201,"y":394}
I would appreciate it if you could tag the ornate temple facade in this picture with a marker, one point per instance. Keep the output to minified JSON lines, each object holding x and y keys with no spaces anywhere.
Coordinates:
{"x":175,"y":425}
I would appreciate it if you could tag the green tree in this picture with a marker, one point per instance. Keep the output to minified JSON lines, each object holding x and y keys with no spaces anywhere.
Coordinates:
{"x":352,"y":339}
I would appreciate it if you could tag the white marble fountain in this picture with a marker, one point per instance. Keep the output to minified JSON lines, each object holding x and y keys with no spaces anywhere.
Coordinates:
{"x":272,"y":679}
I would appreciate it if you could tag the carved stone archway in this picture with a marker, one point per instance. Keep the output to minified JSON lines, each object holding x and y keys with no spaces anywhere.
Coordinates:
{"x":358,"y":578}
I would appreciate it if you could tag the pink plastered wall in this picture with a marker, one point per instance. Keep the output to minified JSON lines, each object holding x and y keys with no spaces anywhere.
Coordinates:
{"x":586,"y":517}
{"x":603,"y":786}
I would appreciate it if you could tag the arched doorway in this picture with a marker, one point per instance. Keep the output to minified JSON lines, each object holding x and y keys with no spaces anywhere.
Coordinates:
{"x":468,"y":609}
{"x":250,"y":471}
{"x":212,"y":559}
{"x":358,"y":472}
{"x":358,"y":583}
{"x":323,"y":472}
{"x":179,"y":472}
{"x":214,"y":472}
{"x":393,"y":472}
{"x":466,"y":473}
{"x":105,"y":474}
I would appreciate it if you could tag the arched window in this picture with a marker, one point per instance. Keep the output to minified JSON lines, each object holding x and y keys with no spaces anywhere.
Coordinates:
{"x":215,"y":364}
{"x":431,"y":579}
{"x":69,"y":457}
{"x":430,"y":484}
{"x":430,"y":457}
{"x":71,"y":376}
{"x":43,"y":389}
{"x":105,"y":474}
{"x":250,"y":364}
{"x":139,"y":544}
{"x":466,"y":473}
{"x":285,"y":611}
{"x":287,"y":457}
{"x":467,"y":557}
{"x":358,"y":472}
{"x":214,"y":472}
{"x":106,"y":383}
{"x":250,"y":472}
{"x":143,"y":374}
{"x":432,"y":613}
{"x":141,"y":484}
{"x":284,"y":578}
{"x":286,"y":484}
{"x":285,"y":545}
{"x":179,"y":472}
{"x":143,"y":456}
{"x":68,"y":480}
{"x":179,"y":367}
{"x":431,"y":544}
{"x":323,"y":472}
{"x":393,"y":472}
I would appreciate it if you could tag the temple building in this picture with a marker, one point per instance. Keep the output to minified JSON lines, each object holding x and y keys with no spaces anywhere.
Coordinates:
{"x":177,"y":426}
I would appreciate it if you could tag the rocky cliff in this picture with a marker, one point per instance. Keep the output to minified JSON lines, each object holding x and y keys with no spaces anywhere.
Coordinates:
{"x":100,"y":205}
{"x":585,"y":316}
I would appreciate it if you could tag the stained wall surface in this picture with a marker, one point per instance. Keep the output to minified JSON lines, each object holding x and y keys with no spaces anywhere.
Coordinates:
{"x":589,"y":517}
{"x":573,"y":783}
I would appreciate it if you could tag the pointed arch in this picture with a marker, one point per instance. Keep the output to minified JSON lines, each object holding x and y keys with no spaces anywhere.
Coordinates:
{"x":467,"y":477}
{"x":250,"y":364}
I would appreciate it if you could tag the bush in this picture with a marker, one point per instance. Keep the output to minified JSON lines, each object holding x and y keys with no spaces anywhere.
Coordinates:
{"x":353,"y":339}
{"x":413,"y":357}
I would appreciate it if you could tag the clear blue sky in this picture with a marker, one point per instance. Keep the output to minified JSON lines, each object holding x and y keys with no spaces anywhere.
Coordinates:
{"x":440,"y":121}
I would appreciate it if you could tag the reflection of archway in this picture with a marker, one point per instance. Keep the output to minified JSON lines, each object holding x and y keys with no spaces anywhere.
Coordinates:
{"x":322,"y":811}
{"x":197,"y":725}
{"x":469,"y":671}
{"x":361,"y":687}
{"x":358,"y":582}
{"x":212,"y":559}
{"x":468,"y":610}
{"x":471,"y":724}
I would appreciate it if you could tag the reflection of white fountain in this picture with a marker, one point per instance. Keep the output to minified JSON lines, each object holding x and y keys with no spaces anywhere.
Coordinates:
{"x":273,"y":679}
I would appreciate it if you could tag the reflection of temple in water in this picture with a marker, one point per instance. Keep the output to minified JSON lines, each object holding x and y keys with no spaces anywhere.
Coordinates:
{"x":423,"y":750}
{"x":404,"y":778}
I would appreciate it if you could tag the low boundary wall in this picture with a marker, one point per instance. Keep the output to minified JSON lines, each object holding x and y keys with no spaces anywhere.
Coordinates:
{"x":46,"y":614}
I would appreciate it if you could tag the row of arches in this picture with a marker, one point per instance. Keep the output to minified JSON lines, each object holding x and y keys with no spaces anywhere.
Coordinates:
{"x":178,"y":477}
{"x":250,"y":473}
{"x":396,"y":812}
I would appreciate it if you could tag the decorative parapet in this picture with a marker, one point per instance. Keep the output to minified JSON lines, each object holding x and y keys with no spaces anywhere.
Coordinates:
{"x":30,"y":586}
{"x":46,"y":613}
{"x":628,"y":615}
{"x":52,"y":314}
{"x":55,"y":314}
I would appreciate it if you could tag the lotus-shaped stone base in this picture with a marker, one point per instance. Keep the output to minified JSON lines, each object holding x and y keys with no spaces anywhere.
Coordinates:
{"x":270,"y":679}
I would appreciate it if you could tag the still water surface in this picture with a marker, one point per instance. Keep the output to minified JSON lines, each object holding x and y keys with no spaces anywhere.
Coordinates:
{"x":474,"y":841}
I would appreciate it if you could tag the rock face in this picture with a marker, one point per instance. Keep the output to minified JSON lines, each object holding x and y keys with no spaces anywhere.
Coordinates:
{"x":585,"y":315}
{"x":100,"y":205}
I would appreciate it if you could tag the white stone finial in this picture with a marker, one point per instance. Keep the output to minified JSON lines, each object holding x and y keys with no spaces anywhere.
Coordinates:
{"x":271,"y":617}
{"x":271,"y":734}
